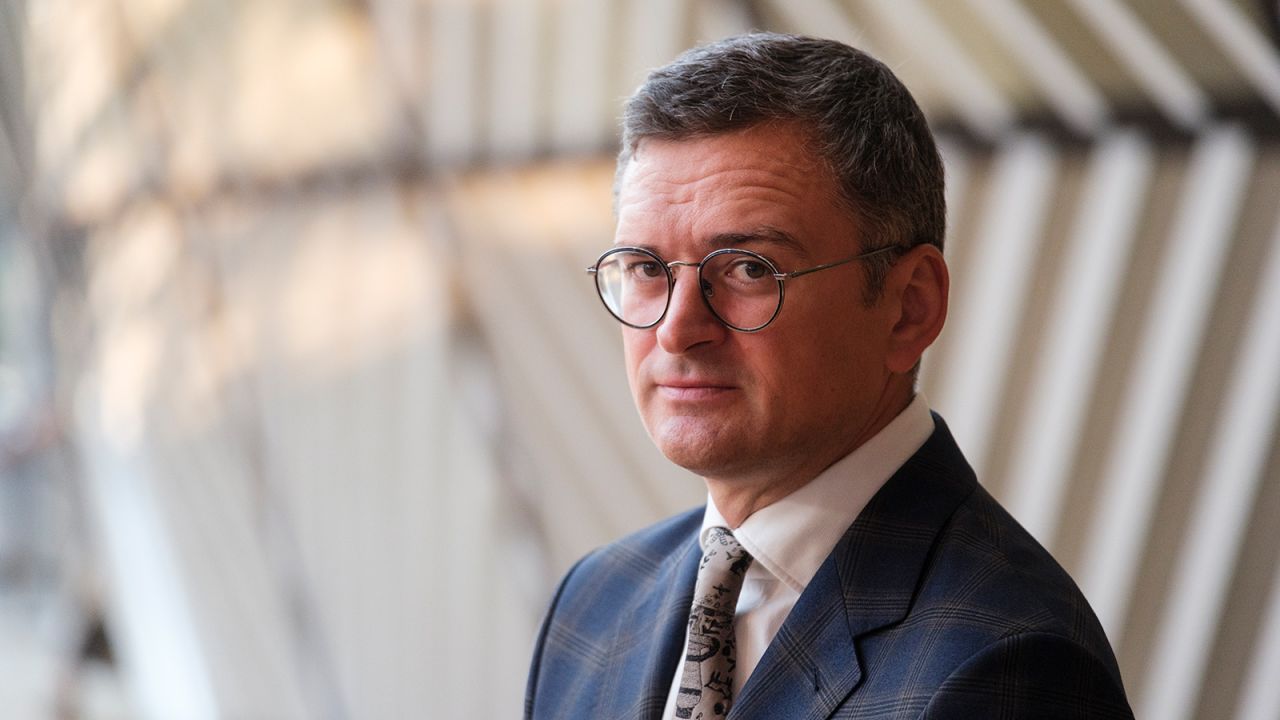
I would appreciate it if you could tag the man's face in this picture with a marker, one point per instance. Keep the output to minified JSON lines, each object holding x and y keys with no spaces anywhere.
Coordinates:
{"x":786,"y":401}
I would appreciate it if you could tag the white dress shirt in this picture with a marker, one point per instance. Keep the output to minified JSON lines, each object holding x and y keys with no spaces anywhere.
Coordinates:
{"x":791,"y":538}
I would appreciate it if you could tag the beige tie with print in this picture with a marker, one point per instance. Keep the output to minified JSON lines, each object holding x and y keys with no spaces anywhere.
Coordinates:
{"x":706,"y":684}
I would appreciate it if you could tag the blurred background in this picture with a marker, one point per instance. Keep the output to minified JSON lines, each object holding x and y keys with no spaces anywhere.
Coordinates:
{"x":306,"y":401}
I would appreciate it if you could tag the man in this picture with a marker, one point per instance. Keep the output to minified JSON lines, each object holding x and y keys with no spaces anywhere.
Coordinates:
{"x":847,"y":564}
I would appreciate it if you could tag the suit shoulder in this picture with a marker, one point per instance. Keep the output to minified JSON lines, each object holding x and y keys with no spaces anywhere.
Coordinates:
{"x":638,"y":556}
{"x":1022,"y":587}
{"x":662,"y":537}
{"x":629,"y":594}
{"x":982,"y":535}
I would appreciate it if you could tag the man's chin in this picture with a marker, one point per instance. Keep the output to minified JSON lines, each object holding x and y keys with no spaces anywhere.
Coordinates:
{"x":702,"y":448}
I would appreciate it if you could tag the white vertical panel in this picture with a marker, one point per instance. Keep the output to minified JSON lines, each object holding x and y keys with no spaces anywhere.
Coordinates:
{"x":1066,"y":88}
{"x":957,"y":163}
{"x":1220,"y":514}
{"x":231,"y":584}
{"x":475,"y":578}
{"x":296,"y":495}
{"x":969,"y":90}
{"x":451,"y":111}
{"x":432,"y":525}
{"x":1260,"y":695}
{"x":369,"y":395}
{"x":507,"y":607}
{"x":513,"y":77}
{"x":582,"y":109}
{"x":992,"y":294}
{"x":959,"y":171}
{"x":1152,"y":406}
{"x":1128,"y":37}
{"x":162,"y":659}
{"x":1237,"y":36}
{"x":421,"y":436}
{"x":1076,"y":330}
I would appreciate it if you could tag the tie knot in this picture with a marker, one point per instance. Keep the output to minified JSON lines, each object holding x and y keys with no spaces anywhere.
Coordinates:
{"x":722,"y":548}
{"x":724,"y":563}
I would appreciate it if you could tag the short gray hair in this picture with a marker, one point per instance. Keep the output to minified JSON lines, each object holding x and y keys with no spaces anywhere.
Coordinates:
{"x":860,"y":119}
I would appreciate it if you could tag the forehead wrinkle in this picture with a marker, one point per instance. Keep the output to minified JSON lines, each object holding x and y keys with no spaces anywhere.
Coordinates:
{"x":708,"y":194}
{"x":700,"y":165}
{"x":765,"y":210}
{"x":739,"y":183}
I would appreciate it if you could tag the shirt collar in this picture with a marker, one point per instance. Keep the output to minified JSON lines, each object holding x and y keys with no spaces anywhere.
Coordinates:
{"x":791,"y":538}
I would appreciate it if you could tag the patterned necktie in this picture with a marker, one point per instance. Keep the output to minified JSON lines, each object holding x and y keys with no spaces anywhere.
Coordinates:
{"x":706,"y":685}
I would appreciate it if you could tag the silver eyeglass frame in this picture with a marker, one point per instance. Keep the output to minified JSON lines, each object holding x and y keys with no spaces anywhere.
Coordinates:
{"x":668,"y":267}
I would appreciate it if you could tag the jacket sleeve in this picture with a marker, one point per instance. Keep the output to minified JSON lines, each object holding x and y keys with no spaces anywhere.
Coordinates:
{"x":1031,"y":675}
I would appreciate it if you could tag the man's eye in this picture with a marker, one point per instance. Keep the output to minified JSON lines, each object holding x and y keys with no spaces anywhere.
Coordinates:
{"x":748,"y":270}
{"x":648,"y":269}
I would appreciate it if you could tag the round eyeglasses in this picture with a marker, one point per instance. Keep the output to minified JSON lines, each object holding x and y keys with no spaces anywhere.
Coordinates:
{"x":743,"y":289}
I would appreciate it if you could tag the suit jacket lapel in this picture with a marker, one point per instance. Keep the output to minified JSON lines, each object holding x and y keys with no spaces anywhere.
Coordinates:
{"x":868,"y":582}
{"x":811,"y":665}
{"x":649,"y":639}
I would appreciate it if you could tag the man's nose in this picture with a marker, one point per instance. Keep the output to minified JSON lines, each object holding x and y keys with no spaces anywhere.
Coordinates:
{"x":688,"y":322}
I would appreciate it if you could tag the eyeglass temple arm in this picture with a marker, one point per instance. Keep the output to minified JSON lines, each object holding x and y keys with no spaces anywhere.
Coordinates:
{"x":863,"y":256}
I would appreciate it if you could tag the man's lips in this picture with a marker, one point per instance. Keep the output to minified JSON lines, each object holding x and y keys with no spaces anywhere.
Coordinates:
{"x":683,"y":389}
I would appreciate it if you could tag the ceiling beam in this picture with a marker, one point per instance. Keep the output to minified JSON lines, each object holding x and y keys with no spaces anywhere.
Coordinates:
{"x":1243,"y":43}
{"x":1075,"y":99}
{"x":975,"y":98}
{"x":1169,"y":86}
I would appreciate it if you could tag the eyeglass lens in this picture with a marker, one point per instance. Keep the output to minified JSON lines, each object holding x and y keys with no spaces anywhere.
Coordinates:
{"x":739,"y":287}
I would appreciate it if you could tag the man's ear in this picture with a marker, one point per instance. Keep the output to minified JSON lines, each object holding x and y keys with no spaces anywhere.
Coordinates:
{"x":916,"y":288}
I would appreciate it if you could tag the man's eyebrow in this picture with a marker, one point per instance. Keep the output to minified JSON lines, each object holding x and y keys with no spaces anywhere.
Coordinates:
{"x":764,"y":234}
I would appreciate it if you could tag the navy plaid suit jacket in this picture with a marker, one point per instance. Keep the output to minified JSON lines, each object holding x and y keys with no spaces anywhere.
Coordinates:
{"x":934,"y":604}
